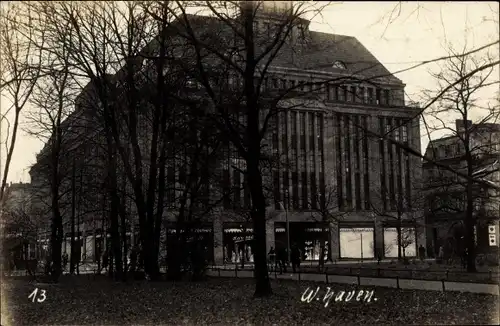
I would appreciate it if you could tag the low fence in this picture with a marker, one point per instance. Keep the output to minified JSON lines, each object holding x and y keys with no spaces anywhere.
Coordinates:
{"x":490,"y":276}
{"x":397,"y":282}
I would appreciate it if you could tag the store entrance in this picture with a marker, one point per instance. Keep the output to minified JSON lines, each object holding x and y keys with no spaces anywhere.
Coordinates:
{"x":308,"y":236}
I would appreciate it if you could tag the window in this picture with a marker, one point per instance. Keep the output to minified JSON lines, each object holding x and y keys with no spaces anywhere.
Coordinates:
{"x":405,"y":133}
{"x":446,"y":150}
{"x":339,"y":65}
{"x":182,"y":176}
{"x":277,"y":194}
{"x":237,"y":190}
{"x":371,"y":98}
{"x":286,"y":195}
{"x":295,"y":181}
{"x":342,"y":93}
{"x":283,"y":84}
{"x":350,"y":94}
{"x":314,"y":191}
{"x":275,"y":142}
{"x":227,"y":190}
{"x":362,"y":98}
{"x":329,"y":92}
{"x":302,"y":123}
{"x":387,"y":128}
{"x":305,"y":200}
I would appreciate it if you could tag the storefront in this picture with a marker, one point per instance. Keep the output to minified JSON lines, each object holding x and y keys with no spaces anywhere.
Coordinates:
{"x":356,"y":243}
{"x":238,"y":242}
{"x":201,"y":233}
{"x":408,"y":242}
{"x":308,"y":236}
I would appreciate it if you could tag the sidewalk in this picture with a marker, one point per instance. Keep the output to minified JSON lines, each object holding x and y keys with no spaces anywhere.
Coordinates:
{"x":397,"y":283}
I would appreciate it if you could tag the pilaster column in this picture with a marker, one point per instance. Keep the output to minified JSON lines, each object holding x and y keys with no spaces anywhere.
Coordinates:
{"x":218,"y":239}
{"x":334,"y":240}
{"x":379,"y":238}
{"x":270,"y":241}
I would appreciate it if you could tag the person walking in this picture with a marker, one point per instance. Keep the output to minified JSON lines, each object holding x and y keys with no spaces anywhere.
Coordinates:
{"x":441,"y":254}
{"x":282,"y":258}
{"x":272,"y":258}
{"x":464,"y":258}
{"x":65,"y":260}
{"x":295,"y":257}
{"x":421,"y":252}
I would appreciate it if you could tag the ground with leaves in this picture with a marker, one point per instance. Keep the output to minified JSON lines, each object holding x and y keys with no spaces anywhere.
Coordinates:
{"x":85,"y":300}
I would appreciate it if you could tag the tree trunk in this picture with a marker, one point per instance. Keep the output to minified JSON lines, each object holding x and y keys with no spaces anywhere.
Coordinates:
{"x":258,"y":213}
{"x":123,"y":213}
{"x":321,"y":255}
{"x":123,"y":247}
{"x":469,"y":230}
{"x":73,"y":212}
{"x":399,"y":237}
{"x":114,"y":208}
{"x":78,"y":248}
{"x":56,"y":229}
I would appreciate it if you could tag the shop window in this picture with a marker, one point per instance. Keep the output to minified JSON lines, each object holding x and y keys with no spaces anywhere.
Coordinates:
{"x":357,"y":243}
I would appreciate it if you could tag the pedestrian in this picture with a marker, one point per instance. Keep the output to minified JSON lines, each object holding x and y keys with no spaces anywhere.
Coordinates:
{"x":441,"y":252}
{"x":282,"y":258}
{"x":105,"y":259}
{"x":133,"y":259}
{"x":421,"y":252}
{"x":65,"y":260}
{"x":295,"y":257}
{"x":272,"y":257}
{"x":464,"y":258}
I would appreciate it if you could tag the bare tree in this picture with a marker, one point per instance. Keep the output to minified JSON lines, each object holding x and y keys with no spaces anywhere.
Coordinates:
{"x":405,"y":210}
{"x":242,"y":112}
{"x":476,"y":130}
{"x":20,"y":61}
{"x":325,"y":207}
{"x":53,"y":97}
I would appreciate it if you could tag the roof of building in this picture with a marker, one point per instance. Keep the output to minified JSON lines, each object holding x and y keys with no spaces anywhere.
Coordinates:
{"x":322,"y":50}
{"x":317,"y":51}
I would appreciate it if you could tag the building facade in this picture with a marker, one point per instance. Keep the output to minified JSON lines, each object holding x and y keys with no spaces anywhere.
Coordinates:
{"x":445,"y":191}
{"x":18,"y":228}
{"x":335,"y":159}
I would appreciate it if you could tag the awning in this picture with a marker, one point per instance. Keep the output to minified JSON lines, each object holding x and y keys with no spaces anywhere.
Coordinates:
{"x":235,"y":230}
{"x":194,"y":231}
{"x":243,"y":239}
{"x":316,"y":230}
{"x":279,"y":230}
{"x":356,"y":230}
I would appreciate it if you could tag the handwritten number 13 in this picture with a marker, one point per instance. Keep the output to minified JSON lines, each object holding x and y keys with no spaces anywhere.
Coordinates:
{"x":41,"y":298}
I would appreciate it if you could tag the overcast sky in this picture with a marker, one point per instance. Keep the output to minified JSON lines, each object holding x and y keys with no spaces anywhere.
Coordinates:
{"x":419,"y":33}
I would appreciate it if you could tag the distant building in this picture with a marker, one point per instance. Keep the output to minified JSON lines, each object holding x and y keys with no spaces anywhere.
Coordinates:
{"x":18,"y":227}
{"x":326,"y":147}
{"x":445,"y":191}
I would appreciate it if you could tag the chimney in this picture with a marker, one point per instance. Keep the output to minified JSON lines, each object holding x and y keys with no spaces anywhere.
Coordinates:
{"x":461,"y":126}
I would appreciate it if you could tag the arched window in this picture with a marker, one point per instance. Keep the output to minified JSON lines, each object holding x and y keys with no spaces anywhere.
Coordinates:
{"x":339,"y":65}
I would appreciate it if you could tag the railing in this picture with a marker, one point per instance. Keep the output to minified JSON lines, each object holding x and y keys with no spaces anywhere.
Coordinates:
{"x":358,"y":280}
{"x":490,"y":276}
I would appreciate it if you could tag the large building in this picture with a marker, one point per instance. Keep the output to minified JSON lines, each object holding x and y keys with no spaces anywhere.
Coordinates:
{"x":18,"y":227}
{"x":445,"y":191}
{"x":332,"y":158}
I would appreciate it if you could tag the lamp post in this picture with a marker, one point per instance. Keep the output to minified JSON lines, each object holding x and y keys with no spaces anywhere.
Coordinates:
{"x":287,"y":227}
